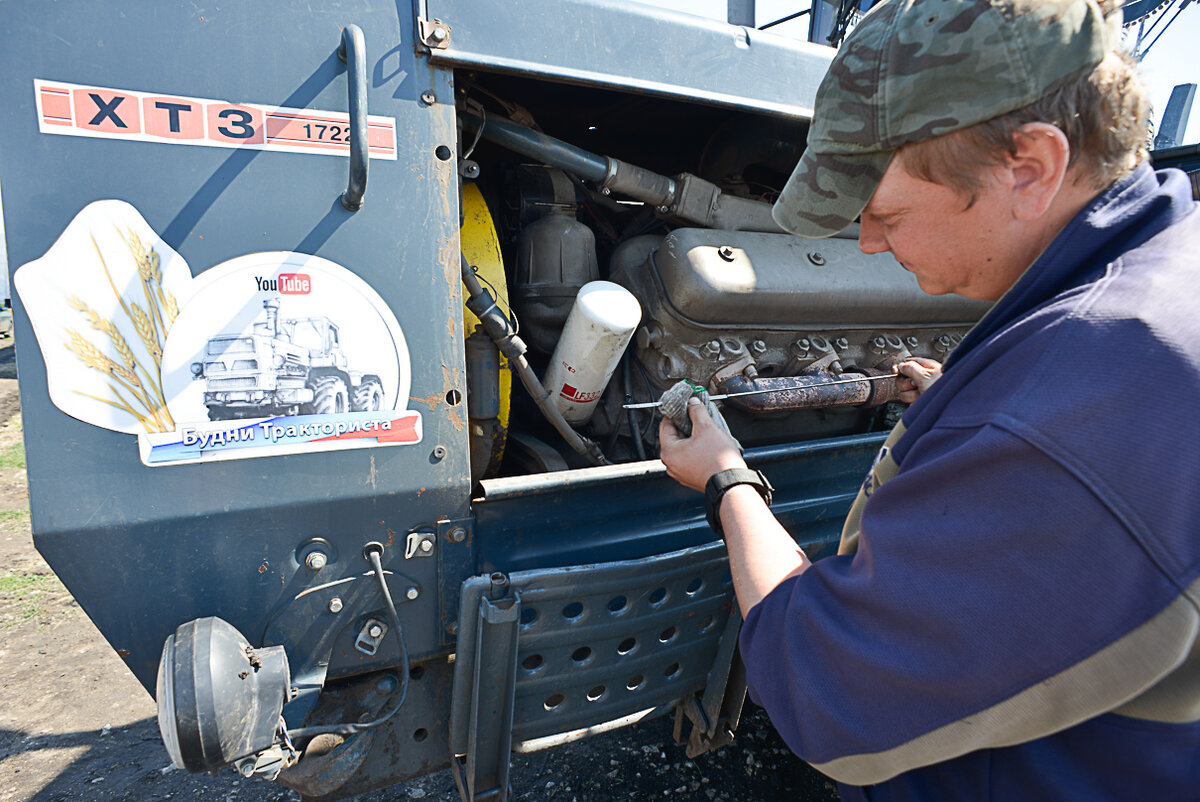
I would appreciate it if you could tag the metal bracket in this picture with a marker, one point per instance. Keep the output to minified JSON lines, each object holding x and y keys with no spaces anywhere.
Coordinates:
{"x":435,"y":34}
{"x":482,"y":774}
{"x":419,"y":544}
{"x":715,"y":717}
{"x":370,"y":636}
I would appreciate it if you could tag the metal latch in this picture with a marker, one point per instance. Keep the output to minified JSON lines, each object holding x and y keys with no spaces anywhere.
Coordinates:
{"x":419,"y":544}
{"x":434,"y":33}
{"x":372,"y":634}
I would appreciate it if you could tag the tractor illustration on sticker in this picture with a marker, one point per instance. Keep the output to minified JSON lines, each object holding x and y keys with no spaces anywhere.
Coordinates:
{"x":283,"y":366}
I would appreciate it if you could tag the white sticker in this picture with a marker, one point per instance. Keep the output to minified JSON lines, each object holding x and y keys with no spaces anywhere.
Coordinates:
{"x":266,"y":354}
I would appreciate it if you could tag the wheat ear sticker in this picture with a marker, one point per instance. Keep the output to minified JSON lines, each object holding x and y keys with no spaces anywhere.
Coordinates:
{"x":136,"y":388}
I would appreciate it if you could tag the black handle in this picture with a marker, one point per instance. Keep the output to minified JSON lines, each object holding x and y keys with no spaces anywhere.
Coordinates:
{"x":353,"y":51}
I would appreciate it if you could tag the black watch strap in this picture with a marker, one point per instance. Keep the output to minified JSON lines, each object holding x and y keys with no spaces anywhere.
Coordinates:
{"x":720,"y":482}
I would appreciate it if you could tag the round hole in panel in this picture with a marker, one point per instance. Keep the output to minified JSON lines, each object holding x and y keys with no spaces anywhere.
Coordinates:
{"x":532,"y":663}
{"x":554,"y":701}
{"x":596,"y":694}
{"x":617,"y":604}
{"x":707,"y":624}
{"x":672,"y":671}
{"x":573,"y":611}
{"x":528,"y":616}
{"x":658,"y":596}
{"x":667,"y":635}
{"x":582,"y":654}
{"x":420,"y":735}
{"x":635,"y":683}
{"x":626,"y":646}
{"x":694,"y":586}
{"x":416,"y":672}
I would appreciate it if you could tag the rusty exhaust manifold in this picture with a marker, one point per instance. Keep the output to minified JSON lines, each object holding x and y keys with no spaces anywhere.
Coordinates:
{"x":812,"y":391}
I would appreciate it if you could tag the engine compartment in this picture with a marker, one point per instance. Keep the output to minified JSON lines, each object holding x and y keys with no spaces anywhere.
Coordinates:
{"x":676,"y":211}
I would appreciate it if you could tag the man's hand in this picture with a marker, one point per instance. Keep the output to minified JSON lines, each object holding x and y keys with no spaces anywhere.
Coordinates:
{"x":916,"y":376}
{"x":692,"y":460}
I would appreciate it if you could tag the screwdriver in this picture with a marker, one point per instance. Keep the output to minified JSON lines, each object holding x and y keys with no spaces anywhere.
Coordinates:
{"x":650,"y":404}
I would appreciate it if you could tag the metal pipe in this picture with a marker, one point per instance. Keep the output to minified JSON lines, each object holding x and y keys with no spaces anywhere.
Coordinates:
{"x":536,"y":145}
{"x":785,"y":393}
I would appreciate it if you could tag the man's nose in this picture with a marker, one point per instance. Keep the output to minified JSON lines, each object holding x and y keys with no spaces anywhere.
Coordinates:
{"x":870,"y":236}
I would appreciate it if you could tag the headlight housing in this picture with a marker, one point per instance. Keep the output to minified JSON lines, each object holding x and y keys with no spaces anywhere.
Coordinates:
{"x":219,"y":699}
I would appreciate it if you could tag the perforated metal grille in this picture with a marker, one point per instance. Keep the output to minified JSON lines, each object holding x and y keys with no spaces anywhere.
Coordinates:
{"x":599,"y":642}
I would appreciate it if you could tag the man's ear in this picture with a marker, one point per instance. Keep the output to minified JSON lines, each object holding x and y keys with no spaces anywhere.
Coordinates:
{"x":1037,"y":169}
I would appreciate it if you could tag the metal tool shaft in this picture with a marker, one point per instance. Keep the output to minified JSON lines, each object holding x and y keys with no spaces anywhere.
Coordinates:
{"x":650,"y":404}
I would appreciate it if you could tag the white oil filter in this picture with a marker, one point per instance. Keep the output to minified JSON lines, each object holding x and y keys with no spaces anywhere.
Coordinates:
{"x":595,"y":335}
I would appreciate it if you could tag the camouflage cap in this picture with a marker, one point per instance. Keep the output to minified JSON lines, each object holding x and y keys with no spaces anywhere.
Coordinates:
{"x":916,"y":69}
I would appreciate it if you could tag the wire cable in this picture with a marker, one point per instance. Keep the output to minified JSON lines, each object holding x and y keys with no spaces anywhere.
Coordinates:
{"x":351,"y":729}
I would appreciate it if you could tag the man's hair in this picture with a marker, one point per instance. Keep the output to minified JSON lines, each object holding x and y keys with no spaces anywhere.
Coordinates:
{"x":1102,"y":111}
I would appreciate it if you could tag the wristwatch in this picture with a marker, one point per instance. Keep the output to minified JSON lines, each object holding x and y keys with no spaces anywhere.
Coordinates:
{"x":720,"y":482}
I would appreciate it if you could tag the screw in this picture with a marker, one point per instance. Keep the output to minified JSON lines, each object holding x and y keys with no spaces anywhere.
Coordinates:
{"x":605,"y":191}
{"x":412,"y":593}
{"x":759,"y":347}
{"x":375,"y":631}
{"x":316,"y":561}
{"x":439,"y":452}
{"x":452,"y":627}
{"x":335,"y":605}
{"x":438,"y":35}
{"x":664,"y":209}
{"x":457,"y":534}
{"x":426,"y":545}
{"x":879,"y":342}
{"x":246,"y":769}
{"x":428,"y":98}
{"x":817,"y":259}
{"x":725,"y":252}
{"x":712,"y":349}
{"x":841,"y":343}
{"x":911,"y":341}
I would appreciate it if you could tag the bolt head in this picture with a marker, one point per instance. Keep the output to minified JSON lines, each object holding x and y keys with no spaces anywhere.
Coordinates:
{"x":375,"y":631}
{"x":412,"y":593}
{"x":758,"y":347}
{"x":817,"y":259}
{"x":439,"y":452}
{"x":246,"y":769}
{"x":428,"y":98}
{"x":841,"y":342}
{"x":316,"y":561}
{"x":335,"y":605}
{"x":725,"y":252}
{"x":438,"y":34}
{"x":457,"y":534}
{"x":426,"y":545}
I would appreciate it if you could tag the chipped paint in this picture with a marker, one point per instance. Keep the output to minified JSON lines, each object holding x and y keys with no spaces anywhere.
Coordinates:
{"x":262,"y":569}
{"x":450,"y":382}
{"x":373,"y":475}
{"x":391,"y":538}
{"x":123,"y":653}
{"x":432,"y":400}
{"x":419,"y":492}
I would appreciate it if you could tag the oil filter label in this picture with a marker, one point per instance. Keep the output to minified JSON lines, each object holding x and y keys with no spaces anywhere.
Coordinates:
{"x":265,"y":354}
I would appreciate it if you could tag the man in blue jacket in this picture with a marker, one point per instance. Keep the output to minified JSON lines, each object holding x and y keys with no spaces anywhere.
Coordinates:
{"x":1014,"y":610}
